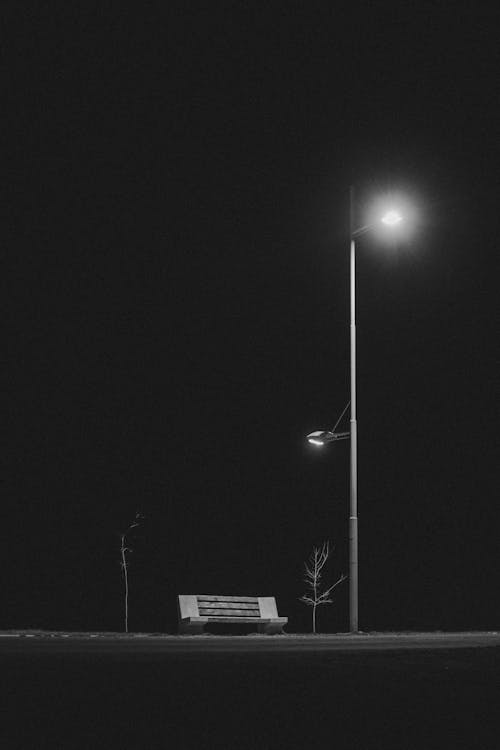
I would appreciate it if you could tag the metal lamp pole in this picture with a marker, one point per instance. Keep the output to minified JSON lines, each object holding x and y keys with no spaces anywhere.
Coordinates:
{"x":321,"y":437}
{"x":353,"y":495}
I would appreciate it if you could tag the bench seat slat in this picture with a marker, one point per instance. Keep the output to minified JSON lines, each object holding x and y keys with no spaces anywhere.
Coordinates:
{"x":229,"y":612}
{"x":227,"y":618}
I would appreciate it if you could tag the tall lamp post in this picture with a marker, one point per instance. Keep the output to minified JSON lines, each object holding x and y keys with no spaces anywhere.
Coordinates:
{"x":320,"y":437}
{"x":353,"y":493}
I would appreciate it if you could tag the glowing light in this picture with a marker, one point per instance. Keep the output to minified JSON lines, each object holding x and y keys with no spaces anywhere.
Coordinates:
{"x":391,"y":218}
{"x":313,"y":441}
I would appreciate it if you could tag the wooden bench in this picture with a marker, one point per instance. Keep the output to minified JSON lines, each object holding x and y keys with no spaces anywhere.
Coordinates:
{"x":197,"y":610}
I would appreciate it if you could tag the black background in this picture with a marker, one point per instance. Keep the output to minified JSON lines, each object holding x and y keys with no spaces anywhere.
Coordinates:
{"x":176,"y":225}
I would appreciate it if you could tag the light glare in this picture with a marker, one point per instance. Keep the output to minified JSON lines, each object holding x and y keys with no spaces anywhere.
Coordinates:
{"x":316,"y":442}
{"x":391,"y":218}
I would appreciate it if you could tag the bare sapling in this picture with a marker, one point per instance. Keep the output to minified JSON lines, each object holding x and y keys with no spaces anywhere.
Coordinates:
{"x":312,"y":578}
{"x":124,"y":550}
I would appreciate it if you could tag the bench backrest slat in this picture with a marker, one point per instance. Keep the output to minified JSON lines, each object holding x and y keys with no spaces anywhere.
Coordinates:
{"x":229,"y":612}
{"x":213,"y":598}
{"x":228,"y":605}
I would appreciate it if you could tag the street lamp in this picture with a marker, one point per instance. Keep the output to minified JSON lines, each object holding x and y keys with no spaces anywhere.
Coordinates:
{"x":322,"y":437}
{"x":390,"y":219}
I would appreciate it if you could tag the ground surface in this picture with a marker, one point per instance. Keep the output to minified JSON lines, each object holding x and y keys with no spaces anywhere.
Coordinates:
{"x":71,"y":642}
{"x":414,"y":691}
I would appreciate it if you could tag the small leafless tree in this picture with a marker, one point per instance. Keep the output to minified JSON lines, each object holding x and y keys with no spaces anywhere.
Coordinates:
{"x":124,"y":563}
{"x":312,"y":578}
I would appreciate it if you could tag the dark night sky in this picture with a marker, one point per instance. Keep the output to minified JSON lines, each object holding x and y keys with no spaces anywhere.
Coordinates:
{"x":176,"y":208}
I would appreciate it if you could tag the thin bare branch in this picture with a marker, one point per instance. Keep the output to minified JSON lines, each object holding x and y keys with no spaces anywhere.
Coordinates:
{"x":342,"y":578}
{"x":312,"y":578}
{"x":124,"y":550}
{"x":306,"y":599}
